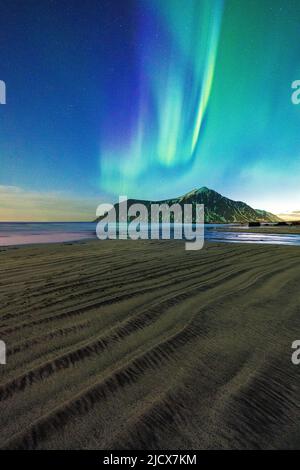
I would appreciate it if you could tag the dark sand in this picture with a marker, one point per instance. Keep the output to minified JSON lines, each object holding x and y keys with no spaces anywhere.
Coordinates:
{"x":143,"y":345}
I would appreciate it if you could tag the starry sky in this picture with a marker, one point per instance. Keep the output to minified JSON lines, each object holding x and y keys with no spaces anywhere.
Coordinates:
{"x":149,"y":99}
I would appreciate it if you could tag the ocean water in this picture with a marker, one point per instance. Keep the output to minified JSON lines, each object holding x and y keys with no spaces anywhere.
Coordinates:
{"x":23,"y":233}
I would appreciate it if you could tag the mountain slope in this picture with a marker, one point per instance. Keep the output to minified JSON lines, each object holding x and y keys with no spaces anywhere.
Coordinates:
{"x":218,"y":208}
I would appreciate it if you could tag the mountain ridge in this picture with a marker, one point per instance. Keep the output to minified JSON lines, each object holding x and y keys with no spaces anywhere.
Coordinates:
{"x":218,"y":208}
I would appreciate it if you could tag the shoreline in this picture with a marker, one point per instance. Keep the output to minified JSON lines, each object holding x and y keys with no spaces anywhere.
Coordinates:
{"x":44,"y":242}
{"x":270,"y":229}
{"x":213,"y":232}
{"x":80,"y":237}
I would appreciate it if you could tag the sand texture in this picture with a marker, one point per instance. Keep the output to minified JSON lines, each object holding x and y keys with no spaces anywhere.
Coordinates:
{"x":143,"y":345}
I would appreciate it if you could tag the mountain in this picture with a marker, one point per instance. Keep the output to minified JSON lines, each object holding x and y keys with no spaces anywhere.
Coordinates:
{"x":218,"y":208}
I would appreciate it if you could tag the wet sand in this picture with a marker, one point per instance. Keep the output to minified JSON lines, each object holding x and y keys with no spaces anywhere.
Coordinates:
{"x":269,"y":229}
{"x":143,"y":345}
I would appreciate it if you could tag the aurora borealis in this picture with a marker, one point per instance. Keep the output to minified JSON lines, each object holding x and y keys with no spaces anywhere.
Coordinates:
{"x":176,"y":70}
{"x":211,"y":103}
{"x":149,"y":98}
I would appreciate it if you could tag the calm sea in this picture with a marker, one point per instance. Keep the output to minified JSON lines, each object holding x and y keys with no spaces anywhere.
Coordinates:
{"x":23,"y":233}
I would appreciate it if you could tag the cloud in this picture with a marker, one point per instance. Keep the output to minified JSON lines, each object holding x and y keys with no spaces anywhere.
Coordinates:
{"x":18,"y":204}
{"x":273,"y":189}
{"x":291,"y":216}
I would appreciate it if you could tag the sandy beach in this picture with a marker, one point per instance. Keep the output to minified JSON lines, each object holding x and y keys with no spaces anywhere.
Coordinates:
{"x":143,"y":345}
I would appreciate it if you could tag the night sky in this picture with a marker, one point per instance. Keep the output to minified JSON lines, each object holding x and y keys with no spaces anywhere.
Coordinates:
{"x":149,"y":99}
